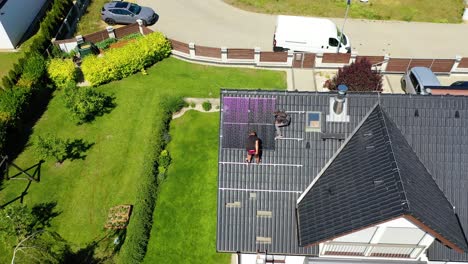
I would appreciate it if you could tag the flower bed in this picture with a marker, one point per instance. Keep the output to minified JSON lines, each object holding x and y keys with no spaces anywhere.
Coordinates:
{"x":118,"y":217}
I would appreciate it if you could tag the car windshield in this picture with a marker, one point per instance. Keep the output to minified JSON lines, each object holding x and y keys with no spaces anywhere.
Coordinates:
{"x":344,"y":42}
{"x":135,"y":9}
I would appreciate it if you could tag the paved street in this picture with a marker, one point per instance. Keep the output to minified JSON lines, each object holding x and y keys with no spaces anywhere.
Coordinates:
{"x":214,"y":23}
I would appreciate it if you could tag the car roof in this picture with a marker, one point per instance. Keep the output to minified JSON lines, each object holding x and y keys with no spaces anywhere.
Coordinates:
{"x":116,"y":4}
{"x":460,"y":83}
{"x":425,"y":76}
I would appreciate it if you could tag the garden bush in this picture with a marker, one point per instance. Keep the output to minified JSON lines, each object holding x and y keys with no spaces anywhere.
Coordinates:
{"x":132,"y":36}
{"x":33,"y":71}
{"x":86,"y":103}
{"x":62,"y":72}
{"x":51,"y":146}
{"x":121,"y":62}
{"x":13,"y":103}
{"x":358,"y":76}
{"x":206,"y":106}
{"x":105,"y":43}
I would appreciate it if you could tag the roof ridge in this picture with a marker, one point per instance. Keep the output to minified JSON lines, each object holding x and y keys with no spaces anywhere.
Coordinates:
{"x":393,"y":156}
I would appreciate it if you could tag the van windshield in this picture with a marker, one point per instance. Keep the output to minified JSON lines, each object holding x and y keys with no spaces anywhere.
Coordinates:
{"x":344,"y":41}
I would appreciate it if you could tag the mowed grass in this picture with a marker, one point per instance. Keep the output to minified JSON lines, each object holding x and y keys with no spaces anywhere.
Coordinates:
{"x":85,"y":189}
{"x":7,"y":59}
{"x":91,"y":21}
{"x":448,"y":11}
{"x":184,"y":229}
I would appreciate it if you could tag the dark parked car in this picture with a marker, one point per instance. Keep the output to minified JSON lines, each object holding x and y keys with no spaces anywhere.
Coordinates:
{"x":127,"y":13}
{"x":460,"y":84}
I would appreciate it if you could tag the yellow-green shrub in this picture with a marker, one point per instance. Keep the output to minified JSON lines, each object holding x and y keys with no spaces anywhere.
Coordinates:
{"x":121,"y":62}
{"x":62,"y":72}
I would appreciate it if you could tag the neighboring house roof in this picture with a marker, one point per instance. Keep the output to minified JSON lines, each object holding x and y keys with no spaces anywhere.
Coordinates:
{"x":435,"y":127}
{"x":375,"y":177}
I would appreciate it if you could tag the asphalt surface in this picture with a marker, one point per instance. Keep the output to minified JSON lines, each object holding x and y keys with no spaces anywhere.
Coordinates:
{"x":217,"y":24}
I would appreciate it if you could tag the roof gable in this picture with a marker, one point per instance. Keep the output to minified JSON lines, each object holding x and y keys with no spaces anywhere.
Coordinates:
{"x":374,"y":178}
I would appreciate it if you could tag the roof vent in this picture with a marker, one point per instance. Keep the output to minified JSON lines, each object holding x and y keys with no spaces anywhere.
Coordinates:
{"x":307,"y":145}
{"x":416,"y":113}
{"x":233,"y":205}
{"x":457,"y":114}
{"x":263,"y":240}
{"x":340,"y":99}
{"x":377,"y":183}
{"x":339,"y":106}
{"x":267,"y":214}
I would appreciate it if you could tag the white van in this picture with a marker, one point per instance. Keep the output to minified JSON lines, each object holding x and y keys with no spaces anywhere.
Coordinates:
{"x":317,"y":35}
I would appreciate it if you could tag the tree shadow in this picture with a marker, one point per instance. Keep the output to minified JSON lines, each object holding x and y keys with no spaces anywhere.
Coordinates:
{"x":18,"y":137}
{"x":81,"y":256}
{"x":107,"y":107}
{"x":76,"y":149}
{"x":44,"y":213}
{"x":106,"y":247}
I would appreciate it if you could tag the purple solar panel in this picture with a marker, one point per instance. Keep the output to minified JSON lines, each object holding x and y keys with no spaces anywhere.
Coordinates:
{"x":236,"y":109}
{"x":242,"y":114}
{"x":262,"y":109}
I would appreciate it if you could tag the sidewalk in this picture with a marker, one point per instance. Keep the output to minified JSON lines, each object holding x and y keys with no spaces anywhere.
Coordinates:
{"x":313,"y":80}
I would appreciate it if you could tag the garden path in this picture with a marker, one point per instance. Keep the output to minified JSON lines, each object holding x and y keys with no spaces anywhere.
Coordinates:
{"x":215,"y":105}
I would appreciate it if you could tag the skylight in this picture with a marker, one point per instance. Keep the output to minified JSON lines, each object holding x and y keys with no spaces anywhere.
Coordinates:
{"x":314,"y":122}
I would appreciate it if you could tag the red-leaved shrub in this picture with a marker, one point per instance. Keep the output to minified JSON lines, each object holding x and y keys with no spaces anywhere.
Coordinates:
{"x":358,"y":76}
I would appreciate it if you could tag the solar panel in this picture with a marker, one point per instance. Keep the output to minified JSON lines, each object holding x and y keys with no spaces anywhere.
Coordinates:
{"x":242,"y":114}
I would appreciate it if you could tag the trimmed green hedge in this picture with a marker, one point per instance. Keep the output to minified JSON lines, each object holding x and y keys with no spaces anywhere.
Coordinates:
{"x":62,"y":72}
{"x":121,"y":62}
{"x":13,"y":104}
{"x":139,"y":230}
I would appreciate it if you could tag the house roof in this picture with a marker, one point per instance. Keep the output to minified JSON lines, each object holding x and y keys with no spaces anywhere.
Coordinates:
{"x":375,"y":177}
{"x":435,"y":127}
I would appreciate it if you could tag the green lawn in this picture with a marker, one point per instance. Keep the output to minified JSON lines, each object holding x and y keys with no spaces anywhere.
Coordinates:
{"x":91,"y":21}
{"x":7,"y":59}
{"x":85,"y":189}
{"x":184,"y":230}
{"x":450,"y":11}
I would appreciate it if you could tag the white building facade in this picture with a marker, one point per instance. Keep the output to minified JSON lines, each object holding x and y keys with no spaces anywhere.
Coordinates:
{"x":15,"y":18}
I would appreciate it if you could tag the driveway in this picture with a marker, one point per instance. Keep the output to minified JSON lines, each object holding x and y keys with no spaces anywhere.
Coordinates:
{"x":215,"y":23}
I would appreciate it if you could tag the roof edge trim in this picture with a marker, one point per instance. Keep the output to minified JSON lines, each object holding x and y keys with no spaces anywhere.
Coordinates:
{"x":337,"y":153}
{"x":442,"y":239}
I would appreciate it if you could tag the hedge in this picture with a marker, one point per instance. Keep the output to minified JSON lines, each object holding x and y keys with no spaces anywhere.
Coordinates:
{"x":121,"y":62}
{"x":13,"y":104}
{"x":61,"y":72}
{"x":28,"y":72}
{"x":33,"y":71}
{"x":139,"y":230}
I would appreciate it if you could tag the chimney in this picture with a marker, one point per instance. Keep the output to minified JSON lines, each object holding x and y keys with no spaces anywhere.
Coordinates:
{"x":338,"y":106}
{"x":340,"y":99}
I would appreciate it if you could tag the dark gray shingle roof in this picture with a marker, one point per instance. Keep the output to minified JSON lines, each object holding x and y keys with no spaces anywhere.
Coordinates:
{"x":375,"y":177}
{"x":428,"y":123}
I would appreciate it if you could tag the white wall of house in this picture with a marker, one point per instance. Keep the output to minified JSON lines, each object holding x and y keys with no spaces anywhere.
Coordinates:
{"x":15,"y":18}
{"x":394,"y":239}
{"x":5,"y":42}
